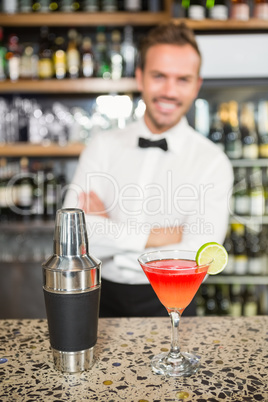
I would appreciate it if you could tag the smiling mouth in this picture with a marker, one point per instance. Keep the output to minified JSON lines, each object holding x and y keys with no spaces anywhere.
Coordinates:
{"x":169,"y":105}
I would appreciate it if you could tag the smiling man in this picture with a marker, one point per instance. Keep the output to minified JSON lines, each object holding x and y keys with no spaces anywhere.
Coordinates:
{"x":157,"y":183}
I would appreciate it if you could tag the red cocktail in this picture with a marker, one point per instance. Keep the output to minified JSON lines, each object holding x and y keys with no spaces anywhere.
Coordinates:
{"x":175,"y":278}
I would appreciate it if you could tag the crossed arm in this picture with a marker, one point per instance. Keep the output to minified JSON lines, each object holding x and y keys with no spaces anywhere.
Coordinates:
{"x":93,"y":205}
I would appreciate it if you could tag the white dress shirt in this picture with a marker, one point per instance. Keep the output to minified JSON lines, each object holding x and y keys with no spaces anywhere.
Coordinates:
{"x":189,"y":185}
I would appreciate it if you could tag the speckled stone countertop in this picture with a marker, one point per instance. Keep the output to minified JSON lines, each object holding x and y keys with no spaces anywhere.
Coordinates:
{"x":234,"y":367}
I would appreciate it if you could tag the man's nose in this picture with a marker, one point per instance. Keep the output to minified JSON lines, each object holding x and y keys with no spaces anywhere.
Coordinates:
{"x":171,"y":88}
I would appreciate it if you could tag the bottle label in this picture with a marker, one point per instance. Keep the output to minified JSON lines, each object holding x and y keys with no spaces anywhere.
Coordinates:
{"x":241,"y":264}
{"x":218,"y":12}
{"x":196,"y":12}
{"x":45,"y":68}
{"x":242,"y":205}
{"x":251,"y":151}
{"x":261,"y":11}
{"x":236,"y":309}
{"x":250,"y":309}
{"x":240,"y":12}
{"x":132,"y":5}
{"x":255,"y":266}
{"x":264,"y":150}
{"x":25,"y":195}
{"x":257,"y":203}
{"x":109,"y":5}
{"x":234,"y":149}
{"x":88,"y":65}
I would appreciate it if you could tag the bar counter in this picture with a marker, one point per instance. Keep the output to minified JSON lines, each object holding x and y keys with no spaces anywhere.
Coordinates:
{"x":234,"y":365}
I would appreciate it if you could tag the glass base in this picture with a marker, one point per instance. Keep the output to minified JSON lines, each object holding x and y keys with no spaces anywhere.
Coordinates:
{"x":184,"y":365}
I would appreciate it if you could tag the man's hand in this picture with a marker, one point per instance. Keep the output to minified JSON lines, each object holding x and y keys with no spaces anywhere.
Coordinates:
{"x":92,"y":204}
{"x":164,"y":236}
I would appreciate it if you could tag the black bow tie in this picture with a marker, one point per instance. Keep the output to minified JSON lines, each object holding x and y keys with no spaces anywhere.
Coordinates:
{"x":145,"y":143}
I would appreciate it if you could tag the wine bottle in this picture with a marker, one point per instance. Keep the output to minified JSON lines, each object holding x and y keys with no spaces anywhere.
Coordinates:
{"x":250,"y":306}
{"x":116,"y":56}
{"x":59,"y":58}
{"x":263,"y":128}
{"x":256,"y":192}
{"x":109,"y":6}
{"x":45,"y":64}
{"x":13,"y":56}
{"x":196,"y":10}
{"x":218,"y":10}
{"x":128,"y":52}
{"x":260,"y":10}
{"x":255,"y":260}
{"x":103,"y":68}
{"x":240,"y":10}
{"x":3,"y":51}
{"x":233,"y":141}
{"x":25,"y":191}
{"x":216,"y":132}
{"x":229,"y":246}
{"x":241,"y":192}
{"x":248,"y":131}
{"x":236,"y":305}
{"x":73,"y":54}
{"x":88,"y":58}
{"x":132,"y":5}
{"x":240,"y":248}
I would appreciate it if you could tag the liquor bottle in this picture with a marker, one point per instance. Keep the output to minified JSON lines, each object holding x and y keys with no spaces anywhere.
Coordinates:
{"x":216,"y":132}
{"x":10,"y":6}
{"x":233,"y":142}
{"x":256,"y":192}
{"x":4,"y":215}
{"x":3,"y":51}
{"x":45,"y":64}
{"x":218,"y":10}
{"x":76,"y":5}
{"x":255,"y":260}
{"x":250,"y":305}
{"x":116,"y":56}
{"x":223,"y":300}
{"x":263,"y":128}
{"x":88,"y":58}
{"x":54,"y":5}
{"x":240,"y":248}
{"x":128,"y":51}
{"x":133,"y":5}
{"x":13,"y":57}
{"x":240,"y":10}
{"x":73,"y":54}
{"x":25,"y":191}
{"x":241,"y":192}
{"x":196,"y":10}
{"x":248,"y":131}
{"x":51,"y":195}
{"x":103,"y":68}
{"x":211,"y":305}
{"x":66,"y":6}
{"x":91,"y":6}
{"x":40,"y":6}
{"x":25,"y":6}
{"x":59,"y":58}
{"x":154,"y":6}
{"x":265,"y":189}
{"x":236,"y":305}
{"x":229,"y":246}
{"x":38,"y":191}
{"x":109,"y":6}
{"x":29,"y":62}
{"x":260,"y":10}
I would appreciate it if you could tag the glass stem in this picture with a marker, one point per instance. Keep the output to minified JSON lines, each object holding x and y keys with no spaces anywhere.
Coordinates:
{"x":175,"y":347}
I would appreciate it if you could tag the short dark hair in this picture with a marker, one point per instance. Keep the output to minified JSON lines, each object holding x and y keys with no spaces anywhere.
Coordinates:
{"x":170,"y":34}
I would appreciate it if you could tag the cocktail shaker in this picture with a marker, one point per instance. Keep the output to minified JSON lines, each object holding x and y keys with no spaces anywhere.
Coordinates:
{"x":72,"y":282}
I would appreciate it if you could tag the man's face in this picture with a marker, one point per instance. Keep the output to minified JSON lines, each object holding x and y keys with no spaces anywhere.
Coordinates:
{"x":169,"y":84}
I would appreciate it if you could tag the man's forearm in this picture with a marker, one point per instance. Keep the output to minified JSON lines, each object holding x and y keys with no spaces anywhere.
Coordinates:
{"x":164,"y":236}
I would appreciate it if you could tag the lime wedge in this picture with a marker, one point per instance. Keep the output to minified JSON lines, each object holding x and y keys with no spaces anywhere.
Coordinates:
{"x":214,"y":252}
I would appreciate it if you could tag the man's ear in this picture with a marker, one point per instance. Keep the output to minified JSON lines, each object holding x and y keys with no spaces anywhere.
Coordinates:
{"x":139,"y":76}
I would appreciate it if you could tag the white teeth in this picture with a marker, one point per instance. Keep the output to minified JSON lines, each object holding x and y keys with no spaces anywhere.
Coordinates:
{"x":168,"y":106}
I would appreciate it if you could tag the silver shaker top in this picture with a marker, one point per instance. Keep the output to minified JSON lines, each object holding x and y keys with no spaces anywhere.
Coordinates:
{"x":71,"y":268}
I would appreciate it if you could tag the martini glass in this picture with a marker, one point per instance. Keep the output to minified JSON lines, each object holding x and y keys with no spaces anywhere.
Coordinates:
{"x":175,"y":278}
